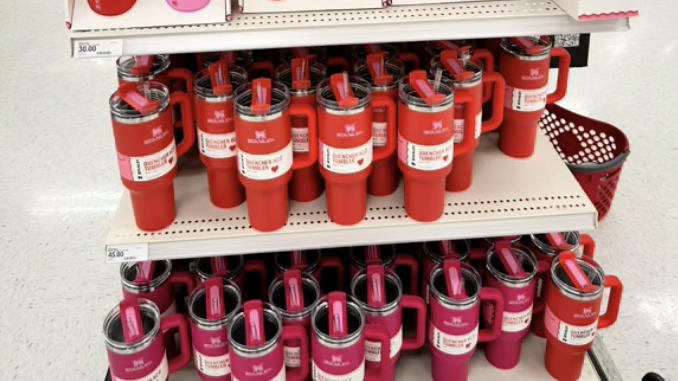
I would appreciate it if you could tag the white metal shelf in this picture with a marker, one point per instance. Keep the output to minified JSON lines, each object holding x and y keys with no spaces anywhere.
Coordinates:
{"x":508,"y":196}
{"x":413,"y":23}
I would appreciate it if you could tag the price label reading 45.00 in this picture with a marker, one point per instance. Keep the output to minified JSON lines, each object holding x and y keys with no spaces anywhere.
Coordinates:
{"x":127,"y":253}
{"x":97,"y":48}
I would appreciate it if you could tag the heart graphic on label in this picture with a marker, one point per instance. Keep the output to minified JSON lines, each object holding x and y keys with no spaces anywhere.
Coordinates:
{"x":445,"y":158}
{"x":360,"y":162}
{"x":527,"y":320}
{"x":171,"y":160}
{"x":232,"y":147}
{"x":468,"y":345}
{"x":274,"y":169}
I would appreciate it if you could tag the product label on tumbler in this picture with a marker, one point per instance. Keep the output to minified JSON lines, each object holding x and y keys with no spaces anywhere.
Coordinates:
{"x":292,"y":356}
{"x":373,"y":349}
{"x":525,"y":100}
{"x":459,"y":128}
{"x":217,"y":146}
{"x":453,"y":344}
{"x":213,"y":366}
{"x":425,"y":158}
{"x":267,"y":166}
{"x":516,"y":321}
{"x":278,"y":377}
{"x":356,"y":375}
{"x":346,"y":160}
{"x":378,"y":134}
{"x":300,"y":139}
{"x":160,"y":373}
{"x":147,"y":168}
{"x":568,"y":333}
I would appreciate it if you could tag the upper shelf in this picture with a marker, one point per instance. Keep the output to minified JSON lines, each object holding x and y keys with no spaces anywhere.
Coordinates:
{"x":508,"y":197}
{"x":412,"y":23}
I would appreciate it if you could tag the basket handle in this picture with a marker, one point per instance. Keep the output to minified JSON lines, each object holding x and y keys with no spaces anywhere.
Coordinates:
{"x":604,"y":167}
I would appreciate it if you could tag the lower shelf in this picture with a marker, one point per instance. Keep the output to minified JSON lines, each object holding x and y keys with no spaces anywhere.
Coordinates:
{"x":412,"y":367}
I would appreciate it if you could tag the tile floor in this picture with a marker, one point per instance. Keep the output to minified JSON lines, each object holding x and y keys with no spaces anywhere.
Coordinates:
{"x":58,"y":192}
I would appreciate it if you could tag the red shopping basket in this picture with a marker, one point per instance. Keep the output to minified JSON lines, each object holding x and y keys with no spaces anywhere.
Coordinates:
{"x":594,"y":151}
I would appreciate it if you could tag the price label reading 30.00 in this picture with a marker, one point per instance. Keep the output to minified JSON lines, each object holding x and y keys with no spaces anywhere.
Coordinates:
{"x":97,"y":49}
{"x":126,"y":253}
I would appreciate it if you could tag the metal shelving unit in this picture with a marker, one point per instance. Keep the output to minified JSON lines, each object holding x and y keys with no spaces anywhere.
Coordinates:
{"x":509,"y":196}
{"x":414,"y":23}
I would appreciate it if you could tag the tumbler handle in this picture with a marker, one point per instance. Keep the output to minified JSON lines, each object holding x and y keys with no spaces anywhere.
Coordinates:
{"x":494,"y":296}
{"x":412,"y":302}
{"x":380,"y":334}
{"x":588,"y":245}
{"x":486,"y":57}
{"x":497,"y":92}
{"x":303,"y":161}
{"x":543,"y":268}
{"x":261,"y":66}
{"x":468,"y":142}
{"x":184,"y":357}
{"x":184,"y":75}
{"x":338,"y":62}
{"x":616,"y":288}
{"x":297,"y":332}
{"x":336,"y":264}
{"x":381,"y":153}
{"x":563,"y":73}
{"x":183,"y":277}
{"x":410,"y":58}
{"x":409,"y":261}
{"x":258,"y":267}
{"x":186,"y":107}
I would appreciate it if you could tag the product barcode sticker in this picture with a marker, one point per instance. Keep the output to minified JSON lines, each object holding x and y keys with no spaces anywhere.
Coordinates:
{"x":127,"y":253}
{"x":97,"y":48}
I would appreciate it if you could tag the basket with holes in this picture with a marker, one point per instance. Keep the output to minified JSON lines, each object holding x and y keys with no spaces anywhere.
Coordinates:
{"x":593,"y":150}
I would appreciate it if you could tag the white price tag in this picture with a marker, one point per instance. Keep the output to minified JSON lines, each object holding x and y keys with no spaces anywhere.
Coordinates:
{"x":127,"y":253}
{"x":97,"y":48}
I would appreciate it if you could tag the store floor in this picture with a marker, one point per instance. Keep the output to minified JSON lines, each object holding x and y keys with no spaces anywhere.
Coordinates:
{"x":59,"y":189}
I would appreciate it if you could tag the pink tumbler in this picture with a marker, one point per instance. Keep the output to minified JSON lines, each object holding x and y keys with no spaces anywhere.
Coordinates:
{"x":434,"y":253}
{"x":456,"y":294}
{"x":361,"y":256}
{"x":233,"y":268}
{"x":312,"y":262}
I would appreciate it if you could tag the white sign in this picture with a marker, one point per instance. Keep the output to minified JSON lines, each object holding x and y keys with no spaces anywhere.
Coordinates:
{"x":97,"y":48}
{"x":136,"y":252}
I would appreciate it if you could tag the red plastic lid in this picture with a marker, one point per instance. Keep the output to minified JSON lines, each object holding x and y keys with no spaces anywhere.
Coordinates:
{"x":454,"y":279}
{"x":557,"y":241}
{"x":214,"y":298}
{"x":301,"y":74}
{"x":509,"y":260}
{"x":336,"y":303}
{"x":568,"y":261}
{"x":144,"y":272}
{"x":298,"y":260}
{"x":419,"y":82}
{"x":450,"y":60}
{"x":375,"y":49}
{"x":219,"y":266}
{"x":375,"y":65}
{"x":305,"y":53}
{"x":447,"y":249}
{"x":129,"y":92}
{"x":221,"y":82}
{"x":254,"y":323}
{"x":130,"y":318}
{"x":229,"y":57}
{"x":445,"y":45}
{"x":372,"y":255}
{"x":294,"y":297}
{"x":341,"y":88}
{"x":376,"y":286}
{"x":261,"y":96}
{"x":528,"y":46}
{"x":142,"y":65}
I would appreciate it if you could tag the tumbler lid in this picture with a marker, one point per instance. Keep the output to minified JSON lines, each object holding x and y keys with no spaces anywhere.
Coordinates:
{"x":553,"y":243}
{"x":312,"y":53}
{"x":362,"y":256}
{"x":422,"y":87}
{"x":140,"y":277}
{"x":435,"y":47}
{"x":295,"y":74}
{"x":130,"y":317}
{"x":242,"y":58}
{"x":301,"y":74}
{"x":214,"y":302}
{"x":454,"y":279}
{"x":227,"y":267}
{"x":511,"y":263}
{"x":389,"y":51}
{"x":455,"y":284}
{"x":455,"y":63}
{"x":575,"y":273}
{"x":343,"y":93}
{"x":220,"y":79}
{"x":528,"y":48}
{"x":140,"y":99}
{"x":261,"y":100}
{"x":377,"y":70}
{"x":131,"y":325}
{"x":337,"y":319}
{"x":145,"y":272}
{"x":512,"y":267}
{"x":577,"y":278}
{"x":294,"y":293}
{"x":140,"y":68}
{"x":438,"y":251}
{"x":219,"y":266}
{"x":307,"y":260}
{"x":377,"y":289}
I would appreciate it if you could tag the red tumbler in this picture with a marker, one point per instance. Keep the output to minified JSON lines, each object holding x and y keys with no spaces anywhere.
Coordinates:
{"x":134,"y":69}
{"x":384,"y":77}
{"x":524,"y":64}
{"x":345,"y":136}
{"x":425,"y":141}
{"x":265,"y":157}
{"x":302,"y":77}
{"x":213,"y":88}
{"x":242,"y":58}
{"x":111,"y":7}
{"x":468,"y":77}
{"x":315,"y":54}
{"x":141,"y":115}
{"x":389,"y":51}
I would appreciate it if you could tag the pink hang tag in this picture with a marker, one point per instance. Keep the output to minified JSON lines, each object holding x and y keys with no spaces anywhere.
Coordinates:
{"x":219,"y":266}
{"x":298,"y":260}
{"x":254,"y":323}
{"x":454,"y":279}
{"x":144,"y":272}
{"x":214,"y":298}
{"x":294,"y":298}
{"x":447,"y":249}
{"x":376,"y":292}
{"x":568,"y":261}
{"x":509,"y":260}
{"x":372,"y":255}
{"x":557,"y":241}
{"x":130,"y":319}
{"x":336,"y":302}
